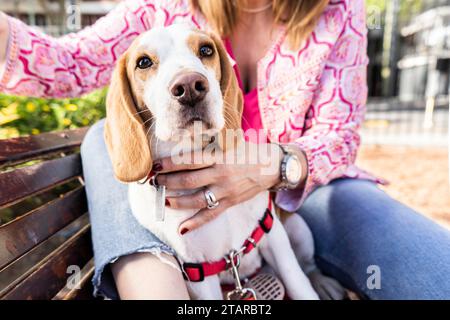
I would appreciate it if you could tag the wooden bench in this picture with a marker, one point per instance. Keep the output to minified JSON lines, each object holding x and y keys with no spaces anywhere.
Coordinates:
{"x":44,"y":226}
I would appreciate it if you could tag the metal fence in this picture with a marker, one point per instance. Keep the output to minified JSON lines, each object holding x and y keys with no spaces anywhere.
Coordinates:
{"x":391,"y":121}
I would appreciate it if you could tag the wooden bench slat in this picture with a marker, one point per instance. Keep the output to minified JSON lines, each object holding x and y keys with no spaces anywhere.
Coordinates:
{"x":51,"y":276}
{"x":17,"y":149}
{"x":38,"y":244}
{"x":22,"y":234}
{"x":83,"y":288}
{"x":22,"y":267}
{"x":26,"y":181}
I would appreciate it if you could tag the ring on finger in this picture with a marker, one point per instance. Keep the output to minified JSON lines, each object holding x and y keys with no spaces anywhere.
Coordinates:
{"x":211,"y":199}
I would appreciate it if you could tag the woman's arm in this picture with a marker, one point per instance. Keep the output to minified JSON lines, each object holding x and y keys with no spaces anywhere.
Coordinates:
{"x":39,"y":65}
{"x":4,"y":35}
{"x":331,"y":140}
{"x":134,"y":281}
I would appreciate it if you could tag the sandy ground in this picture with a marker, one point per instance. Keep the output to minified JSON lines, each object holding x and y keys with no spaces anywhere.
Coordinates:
{"x":418,"y":177}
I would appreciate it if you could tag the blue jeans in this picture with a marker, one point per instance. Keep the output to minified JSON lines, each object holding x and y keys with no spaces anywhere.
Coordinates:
{"x":359,"y":230}
{"x":371,"y":243}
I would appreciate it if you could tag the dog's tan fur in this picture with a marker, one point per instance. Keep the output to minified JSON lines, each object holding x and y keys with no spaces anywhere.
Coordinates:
{"x":125,"y":132}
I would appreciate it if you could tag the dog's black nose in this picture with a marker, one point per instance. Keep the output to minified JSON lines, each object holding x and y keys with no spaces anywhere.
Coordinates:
{"x":189,"y":88}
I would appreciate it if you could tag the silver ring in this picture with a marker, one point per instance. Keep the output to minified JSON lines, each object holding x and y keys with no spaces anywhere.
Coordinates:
{"x":211,"y":199}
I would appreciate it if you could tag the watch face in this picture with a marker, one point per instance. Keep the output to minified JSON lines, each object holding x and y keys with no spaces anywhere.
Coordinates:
{"x":293,"y":170}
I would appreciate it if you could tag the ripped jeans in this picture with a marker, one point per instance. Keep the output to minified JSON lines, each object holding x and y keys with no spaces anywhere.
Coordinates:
{"x":371,"y":243}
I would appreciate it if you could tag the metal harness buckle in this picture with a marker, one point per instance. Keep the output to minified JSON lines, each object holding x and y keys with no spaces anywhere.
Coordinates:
{"x":239,"y":293}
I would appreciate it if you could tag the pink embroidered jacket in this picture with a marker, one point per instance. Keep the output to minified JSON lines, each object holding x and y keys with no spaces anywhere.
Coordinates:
{"x":314,"y":97}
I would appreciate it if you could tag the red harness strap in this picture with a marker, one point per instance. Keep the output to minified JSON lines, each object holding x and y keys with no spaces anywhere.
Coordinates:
{"x":197,"y":272}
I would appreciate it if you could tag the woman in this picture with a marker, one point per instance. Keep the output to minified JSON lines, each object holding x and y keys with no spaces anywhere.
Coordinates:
{"x":302,"y":66}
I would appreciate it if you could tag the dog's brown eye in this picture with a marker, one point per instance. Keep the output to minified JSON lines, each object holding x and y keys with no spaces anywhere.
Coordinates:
{"x":206,"y":51}
{"x":144,"y":63}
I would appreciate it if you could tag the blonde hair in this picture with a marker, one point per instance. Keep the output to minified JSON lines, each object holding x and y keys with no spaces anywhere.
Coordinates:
{"x":298,"y":16}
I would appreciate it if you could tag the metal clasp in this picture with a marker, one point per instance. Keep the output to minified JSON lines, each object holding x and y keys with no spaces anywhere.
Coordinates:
{"x":239,"y":293}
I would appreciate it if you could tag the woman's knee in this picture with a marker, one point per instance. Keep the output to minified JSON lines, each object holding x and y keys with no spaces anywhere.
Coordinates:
{"x":147,"y":276}
{"x":93,"y":139}
{"x":94,"y":155}
{"x":97,"y":168}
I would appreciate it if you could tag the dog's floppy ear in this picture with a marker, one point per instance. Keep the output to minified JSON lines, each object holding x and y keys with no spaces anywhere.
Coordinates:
{"x":125,"y":135}
{"x":231,"y":93}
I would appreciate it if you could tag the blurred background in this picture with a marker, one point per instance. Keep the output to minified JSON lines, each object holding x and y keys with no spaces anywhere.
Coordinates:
{"x":406,"y":132}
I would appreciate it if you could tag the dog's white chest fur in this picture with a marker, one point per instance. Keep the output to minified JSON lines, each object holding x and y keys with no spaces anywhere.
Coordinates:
{"x":211,"y":241}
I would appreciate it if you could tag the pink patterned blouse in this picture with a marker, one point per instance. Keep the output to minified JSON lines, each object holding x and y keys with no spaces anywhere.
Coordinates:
{"x":314,"y":96}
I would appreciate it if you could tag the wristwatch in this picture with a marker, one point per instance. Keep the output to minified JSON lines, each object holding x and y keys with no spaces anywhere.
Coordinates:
{"x":290,"y":169}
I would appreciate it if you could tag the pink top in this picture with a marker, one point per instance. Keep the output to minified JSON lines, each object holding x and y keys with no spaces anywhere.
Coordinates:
{"x":313,"y":96}
{"x":251,"y":117}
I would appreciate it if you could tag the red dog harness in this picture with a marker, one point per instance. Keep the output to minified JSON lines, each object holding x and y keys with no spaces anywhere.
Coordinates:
{"x":197,"y":272}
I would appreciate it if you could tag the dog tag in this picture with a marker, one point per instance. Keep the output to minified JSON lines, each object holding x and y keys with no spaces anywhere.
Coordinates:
{"x":160,"y":202}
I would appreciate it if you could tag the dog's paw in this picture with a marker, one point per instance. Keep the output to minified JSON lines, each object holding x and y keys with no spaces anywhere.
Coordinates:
{"x":327,"y":288}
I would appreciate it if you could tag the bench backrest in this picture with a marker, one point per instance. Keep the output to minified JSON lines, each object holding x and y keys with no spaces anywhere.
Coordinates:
{"x":44,"y":227}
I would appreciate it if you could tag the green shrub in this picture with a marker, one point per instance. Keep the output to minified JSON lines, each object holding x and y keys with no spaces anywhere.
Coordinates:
{"x":24,"y":116}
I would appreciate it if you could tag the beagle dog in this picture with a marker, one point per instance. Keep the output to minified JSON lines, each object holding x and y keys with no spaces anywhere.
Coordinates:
{"x":168,"y":79}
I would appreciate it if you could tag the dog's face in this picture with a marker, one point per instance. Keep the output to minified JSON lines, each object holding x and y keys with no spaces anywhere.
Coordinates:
{"x":170,"y":77}
{"x":177,"y":73}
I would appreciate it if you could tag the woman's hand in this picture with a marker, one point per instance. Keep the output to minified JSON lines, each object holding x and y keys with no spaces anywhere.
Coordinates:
{"x":4,"y":35}
{"x":232,"y":181}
